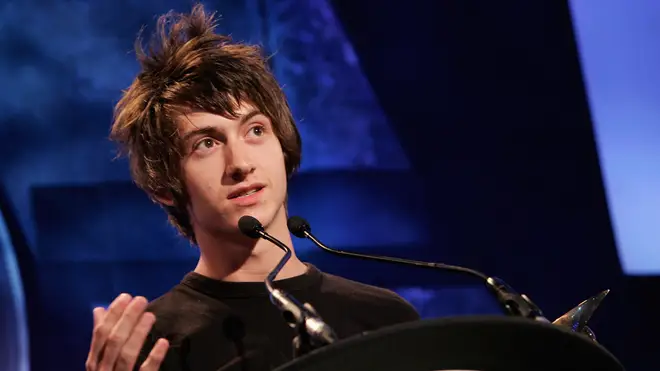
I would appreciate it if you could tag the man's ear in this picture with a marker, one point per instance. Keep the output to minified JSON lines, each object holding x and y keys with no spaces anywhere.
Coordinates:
{"x":165,"y":199}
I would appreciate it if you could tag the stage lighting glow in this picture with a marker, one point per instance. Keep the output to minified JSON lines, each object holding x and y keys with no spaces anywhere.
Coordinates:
{"x":619,"y":49}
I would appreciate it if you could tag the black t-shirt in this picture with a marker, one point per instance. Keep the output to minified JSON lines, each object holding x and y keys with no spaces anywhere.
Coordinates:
{"x":222,"y":326}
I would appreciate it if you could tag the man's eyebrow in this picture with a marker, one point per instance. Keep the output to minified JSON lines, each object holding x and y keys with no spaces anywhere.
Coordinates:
{"x":207,"y":130}
{"x":248,"y":116}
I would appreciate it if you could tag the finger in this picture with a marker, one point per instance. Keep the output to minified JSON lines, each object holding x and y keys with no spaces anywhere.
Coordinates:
{"x":131,"y":349}
{"x":121,"y":332}
{"x":156,"y":356}
{"x":104,"y":321}
{"x":98,"y":313}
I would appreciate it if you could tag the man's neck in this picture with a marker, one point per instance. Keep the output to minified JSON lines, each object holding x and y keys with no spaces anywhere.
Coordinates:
{"x":236,"y":258}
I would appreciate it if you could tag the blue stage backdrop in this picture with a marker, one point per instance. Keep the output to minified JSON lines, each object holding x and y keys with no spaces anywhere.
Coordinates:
{"x":453,"y":131}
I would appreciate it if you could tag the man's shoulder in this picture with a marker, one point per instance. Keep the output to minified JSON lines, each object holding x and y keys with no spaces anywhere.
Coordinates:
{"x":342,"y":285}
{"x":362,"y":294}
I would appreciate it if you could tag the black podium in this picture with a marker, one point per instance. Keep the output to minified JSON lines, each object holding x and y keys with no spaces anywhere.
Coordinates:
{"x":487,"y":343}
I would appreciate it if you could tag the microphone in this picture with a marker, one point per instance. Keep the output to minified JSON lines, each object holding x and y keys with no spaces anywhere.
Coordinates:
{"x":512,"y":303}
{"x":312,"y":332}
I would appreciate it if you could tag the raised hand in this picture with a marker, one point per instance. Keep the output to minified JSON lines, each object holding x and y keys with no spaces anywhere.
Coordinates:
{"x":119,"y":334}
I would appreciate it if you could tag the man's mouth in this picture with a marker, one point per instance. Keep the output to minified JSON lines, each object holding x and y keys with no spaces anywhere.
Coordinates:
{"x":245,"y":193}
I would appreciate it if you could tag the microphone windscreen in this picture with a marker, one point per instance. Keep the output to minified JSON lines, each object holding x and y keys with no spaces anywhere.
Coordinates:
{"x":250,"y":226}
{"x":298,"y":226}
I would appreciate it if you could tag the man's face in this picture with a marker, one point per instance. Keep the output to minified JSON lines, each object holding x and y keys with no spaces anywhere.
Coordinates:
{"x":232,"y":168}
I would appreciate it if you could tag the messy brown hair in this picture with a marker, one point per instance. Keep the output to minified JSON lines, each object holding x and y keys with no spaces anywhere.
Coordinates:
{"x":187,"y":66}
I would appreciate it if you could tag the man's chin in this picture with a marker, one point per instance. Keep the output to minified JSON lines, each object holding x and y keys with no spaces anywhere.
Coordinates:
{"x":265,"y":216}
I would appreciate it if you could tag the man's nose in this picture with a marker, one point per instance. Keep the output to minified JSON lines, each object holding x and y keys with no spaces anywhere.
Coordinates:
{"x":239,"y":166}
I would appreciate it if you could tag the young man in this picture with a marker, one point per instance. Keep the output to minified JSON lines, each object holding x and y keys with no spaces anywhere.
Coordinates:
{"x":211,"y":138}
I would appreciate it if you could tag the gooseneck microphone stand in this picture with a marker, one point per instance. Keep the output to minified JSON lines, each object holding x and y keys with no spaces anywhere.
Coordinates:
{"x":513,"y":303}
{"x":311,"y":331}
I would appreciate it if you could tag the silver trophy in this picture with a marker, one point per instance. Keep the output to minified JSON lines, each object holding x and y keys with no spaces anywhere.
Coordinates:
{"x":576,"y":319}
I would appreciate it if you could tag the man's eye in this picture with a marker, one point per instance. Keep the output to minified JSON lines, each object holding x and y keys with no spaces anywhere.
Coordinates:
{"x":205,"y":143}
{"x":257,"y":130}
